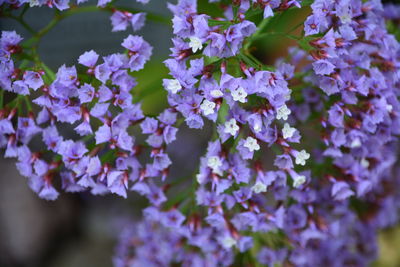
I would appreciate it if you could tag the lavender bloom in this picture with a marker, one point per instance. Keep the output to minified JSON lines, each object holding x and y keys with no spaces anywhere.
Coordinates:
{"x":33,"y":80}
{"x":9,"y":41}
{"x":121,"y":20}
{"x":323,"y":67}
{"x":88,"y":59}
{"x":139,"y":51}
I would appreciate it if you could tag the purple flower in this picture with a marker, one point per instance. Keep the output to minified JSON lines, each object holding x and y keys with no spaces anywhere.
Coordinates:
{"x":139,"y":51}
{"x":172,"y":218}
{"x":116,"y":137}
{"x":323,"y":67}
{"x":270,"y":257}
{"x":9,"y":41}
{"x":20,"y":87}
{"x":296,"y":217}
{"x":283,"y":162}
{"x":120,"y":20}
{"x":311,"y":25}
{"x":336,"y":115}
{"x":88,"y":59}
{"x":117,"y":182}
{"x":72,"y":151}
{"x":61,"y":4}
{"x":242,"y":195}
{"x":48,"y":192}
{"x":341,"y":191}
{"x":26,"y":129}
{"x":33,"y":80}
{"x":86,"y":93}
{"x":51,"y":138}
{"x":66,"y":76}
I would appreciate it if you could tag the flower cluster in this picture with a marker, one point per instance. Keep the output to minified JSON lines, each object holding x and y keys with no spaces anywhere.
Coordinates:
{"x":60,"y":5}
{"x":98,"y":104}
{"x":301,"y":168}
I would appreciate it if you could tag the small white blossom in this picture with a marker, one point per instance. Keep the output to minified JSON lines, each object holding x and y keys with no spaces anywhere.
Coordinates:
{"x":231,"y":127}
{"x":298,"y":180}
{"x":239,"y":94}
{"x":251,"y":144}
{"x":287,"y":96}
{"x":216,"y":93}
{"x":287,"y":131}
{"x":259,"y":188}
{"x":173,"y":85}
{"x":345,"y":17}
{"x":228,"y":242}
{"x":200,"y":178}
{"x":364,"y":162}
{"x":356,"y":143}
{"x":257,"y":127}
{"x":195,"y":44}
{"x":282,"y":113}
{"x":207,"y":107}
{"x":33,"y":3}
{"x":215,"y":163}
{"x":389,"y":108}
{"x":301,"y":157}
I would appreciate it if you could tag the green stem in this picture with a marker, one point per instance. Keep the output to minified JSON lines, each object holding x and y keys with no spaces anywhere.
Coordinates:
{"x":26,"y":7}
{"x":261,"y":27}
{"x":48,"y":71}
{"x":24,"y":63}
{"x":28,"y":103}
{"x":23,"y":23}
{"x":249,"y":61}
{"x":47,"y":28}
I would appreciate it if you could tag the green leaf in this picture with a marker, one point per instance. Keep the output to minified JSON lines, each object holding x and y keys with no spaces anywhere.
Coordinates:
{"x":306,"y":3}
{"x":213,"y":22}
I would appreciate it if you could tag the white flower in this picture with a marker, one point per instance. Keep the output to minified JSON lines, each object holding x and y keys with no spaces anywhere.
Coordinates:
{"x":288,"y":131}
{"x":173,"y":85}
{"x":239,"y":94}
{"x":251,"y":144}
{"x":389,"y":108}
{"x":195,"y":44}
{"x":231,"y":127}
{"x":33,"y":3}
{"x":298,"y":180}
{"x":287,"y":96}
{"x":345,"y":17}
{"x":207,"y":107}
{"x":257,"y":127}
{"x":364,"y":162}
{"x":301,"y":157}
{"x":216,"y":93}
{"x":214,"y":163}
{"x":259,"y":188}
{"x":282,"y":113}
{"x":200,"y":178}
{"x":228,"y":242}
{"x":356,"y":143}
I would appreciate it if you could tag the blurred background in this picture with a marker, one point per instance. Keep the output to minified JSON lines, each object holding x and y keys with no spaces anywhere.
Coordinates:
{"x":81,"y":229}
